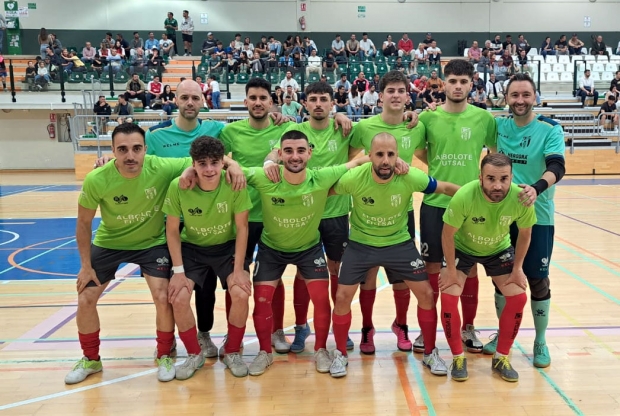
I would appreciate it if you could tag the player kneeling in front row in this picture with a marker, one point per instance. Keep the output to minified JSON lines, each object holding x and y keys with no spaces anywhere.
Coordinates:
{"x":214,"y":236}
{"x":477,"y":230}
{"x":379,"y":237}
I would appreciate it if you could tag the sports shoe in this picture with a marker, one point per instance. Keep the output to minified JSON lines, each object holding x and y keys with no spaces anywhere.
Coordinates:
{"x":165,"y":368}
{"x":491,"y":346}
{"x":501,"y":365}
{"x":147,"y":107}
{"x":261,"y":362}
{"x":418,"y":344}
{"x":322,"y":360}
{"x":279,"y":342}
{"x":435,"y":363}
{"x":235,"y":363}
{"x":302,"y":332}
{"x":470,"y":340}
{"x":350,"y":344}
{"x":222,"y":350}
{"x":339,"y":365}
{"x":367,"y":346}
{"x":83,"y":369}
{"x":207,"y":347}
{"x":173,"y":350}
{"x":542,"y":359}
{"x":189,"y":366}
{"x":458,"y":369}
{"x":402,"y":335}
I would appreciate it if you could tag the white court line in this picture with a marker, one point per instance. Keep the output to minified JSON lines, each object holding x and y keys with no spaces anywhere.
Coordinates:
{"x":15,"y":236}
{"x":6,"y":281}
{"x":38,"y":255}
{"x":17,"y":223}
{"x":24,"y":191}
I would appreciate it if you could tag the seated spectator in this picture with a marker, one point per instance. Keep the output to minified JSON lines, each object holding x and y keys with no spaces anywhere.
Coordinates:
{"x":107,"y":40}
{"x":238,"y":42}
{"x":409,"y":105}
{"x":416,"y":90}
{"x":599,"y":47}
{"x":289,"y":91}
{"x":378,"y":108}
{"x":434,"y":53}
{"x":168,"y":100}
{"x":31,"y":72}
{"x":88,"y":53}
{"x":166,"y":46}
{"x":277,"y":97}
{"x":369,"y":100}
{"x":561,"y":46}
{"x":314,"y":64}
{"x":507,"y":58}
{"x":136,"y":43}
{"x":586,"y":89}
{"x":155,"y":63}
{"x":475,"y":81}
{"x":275,"y":46}
{"x":355,"y":103}
{"x":114,"y":61}
{"x":262,"y":47}
{"x":291,"y":108}
{"x":98,"y":62}
{"x":420,"y":57}
{"x":272,"y":62}
{"x":230,"y":49}
{"x":428,"y":40}
{"x":289,"y":80}
{"x":405,"y":46}
{"x":104,"y":51}
{"x":509,"y":46}
{"x":474,"y":53}
{"x":607,"y":114}
{"x":244,"y":63}
{"x":367,"y":48}
{"x":78,"y":65}
{"x":376,"y":79}
{"x":248,"y":48}
{"x":135,"y":89}
{"x":256,"y":64}
{"x":341,"y":101}
{"x":522,"y":45}
{"x":299,"y":60}
{"x":138,"y":63}
{"x":433,"y":98}
{"x":398,"y":65}
{"x":362,"y":83}
{"x":338,"y":47}
{"x":522,"y":59}
{"x":55,"y":44}
{"x":487,"y":46}
{"x":42,"y":78}
{"x":123,"y":110}
{"x":118,"y":46}
{"x":575,"y":45}
{"x":547,"y":48}
{"x":151,"y":43}
{"x":209,"y":44}
{"x":495,"y":91}
{"x":613,"y":88}
{"x":124,"y":43}
{"x":154,"y":89}
{"x":435,"y":80}
{"x":232,"y":65}
{"x":329,"y":63}
{"x":342,"y":82}
{"x":479,"y":97}
{"x":101,"y":108}
{"x":353,"y":48}
{"x":288,"y":45}
{"x":66,"y":62}
{"x":389,"y":48}
{"x":496,"y":46}
{"x":219,"y":51}
{"x":286,"y":61}
{"x":485,"y":64}
{"x":309,"y":45}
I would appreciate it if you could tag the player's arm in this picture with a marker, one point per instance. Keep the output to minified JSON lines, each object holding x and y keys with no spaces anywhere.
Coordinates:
{"x":450,"y":276}
{"x":343,"y":122}
{"x":354,"y":152}
{"x":234,"y":174}
{"x":446,"y":188}
{"x":517,"y":276}
{"x":422,"y":155}
{"x":554,"y":172}
{"x":239,"y":276}
{"x":178,"y":281}
{"x":83,"y":235}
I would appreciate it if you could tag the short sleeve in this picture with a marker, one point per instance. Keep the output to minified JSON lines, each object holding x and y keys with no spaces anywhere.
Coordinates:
{"x":344,"y":186}
{"x":554,"y":142}
{"x":255,"y":177}
{"x":455,"y":213}
{"x":491,"y":138}
{"x":329,"y":176}
{"x":88,"y":196}
{"x":172,"y":202}
{"x":148,"y":140}
{"x":242,"y":201}
{"x":356,"y":137}
{"x":417,"y":180}
{"x":218,"y":127}
{"x":528,"y":218}
{"x":175,"y":165}
{"x":225,"y":137}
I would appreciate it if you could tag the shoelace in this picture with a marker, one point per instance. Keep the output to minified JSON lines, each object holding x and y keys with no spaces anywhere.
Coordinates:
{"x":458,"y":362}
{"x":503,"y":362}
{"x":365,"y":332}
{"x":539,"y":348}
{"x":167,"y":362}
{"x":236,"y":359}
{"x":471,"y":334}
{"x":405,"y":332}
{"x":81,"y":363}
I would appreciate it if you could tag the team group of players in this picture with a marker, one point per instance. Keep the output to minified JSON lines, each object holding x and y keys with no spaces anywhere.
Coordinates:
{"x":301,"y":192}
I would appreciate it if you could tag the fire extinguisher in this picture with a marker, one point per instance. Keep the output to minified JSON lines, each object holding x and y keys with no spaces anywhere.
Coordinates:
{"x":51,"y":130}
{"x":302,"y":22}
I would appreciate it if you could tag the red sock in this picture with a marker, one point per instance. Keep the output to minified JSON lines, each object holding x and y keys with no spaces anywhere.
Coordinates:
{"x":190,"y":341}
{"x":90,"y":345}
{"x":401,"y":299}
{"x":510,"y":321}
{"x":301,"y":301}
{"x":469,"y":301}
{"x":277,"y":306}
{"x":319,"y":293}
{"x":263,"y":315}
{"x":433,"y":279}
{"x":342,"y":324}
{"x":164,"y":343}
{"x":367,"y":301}
{"x":235,"y":336}
{"x":427,"y":319}
{"x":451,"y":321}
{"x":228,"y":304}
{"x":333,"y":286}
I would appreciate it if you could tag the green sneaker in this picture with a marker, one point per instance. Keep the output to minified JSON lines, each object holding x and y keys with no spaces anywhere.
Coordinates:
{"x":542,"y":359}
{"x":491,"y":346}
{"x":165,"y":368}
{"x":459,"y":368}
{"x":83,"y":369}
{"x":501,"y":365}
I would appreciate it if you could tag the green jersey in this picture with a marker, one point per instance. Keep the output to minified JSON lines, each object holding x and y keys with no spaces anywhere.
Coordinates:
{"x":208,"y":216}
{"x":379,"y":217}
{"x":131,"y":209}
{"x":484,"y":226}
{"x":292,"y":213}
{"x":171,"y":22}
{"x":530,"y":147}
{"x":454,"y":142}
{"x":291,"y":109}
{"x":167,"y":140}
{"x":249,"y":147}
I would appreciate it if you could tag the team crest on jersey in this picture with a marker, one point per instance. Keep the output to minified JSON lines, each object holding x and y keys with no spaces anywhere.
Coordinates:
{"x":396,"y":200}
{"x":121,"y":199}
{"x":167,"y":201}
{"x":194,"y":212}
{"x":505,"y":257}
{"x":525,"y":141}
{"x":406,"y":142}
{"x":150,"y":192}
{"x":505,"y":220}
{"x":272,"y":143}
{"x":332,"y":146}
{"x":465,"y":133}
{"x":307,"y":200}
{"x":367,"y":200}
{"x":222,"y":207}
{"x":417,"y":264}
{"x":156,"y":208}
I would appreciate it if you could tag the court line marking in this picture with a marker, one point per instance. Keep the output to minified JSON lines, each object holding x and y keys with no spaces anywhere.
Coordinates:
{"x":15,"y":265}
{"x":587,"y":223}
{"x":38,"y":255}
{"x":15,"y":236}
{"x":17,"y":223}
{"x":412,"y":404}
{"x":26,"y":190}
{"x":413,"y":363}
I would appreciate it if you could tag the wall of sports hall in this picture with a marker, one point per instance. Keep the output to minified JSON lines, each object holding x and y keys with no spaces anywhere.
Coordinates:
{"x":24,"y":142}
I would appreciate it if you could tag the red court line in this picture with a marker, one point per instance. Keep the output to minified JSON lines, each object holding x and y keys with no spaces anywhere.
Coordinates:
{"x":406,"y":385}
{"x":12,"y":262}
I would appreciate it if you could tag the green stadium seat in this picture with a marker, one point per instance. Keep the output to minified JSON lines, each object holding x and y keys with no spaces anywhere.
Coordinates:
{"x":314,"y":77}
{"x":242,"y":78}
{"x":382,"y":68}
{"x":273,"y":77}
{"x":90,"y":75}
{"x":231,"y":77}
{"x":121,"y":76}
{"x":369,"y":68}
{"x":331,"y":78}
{"x":76,"y":77}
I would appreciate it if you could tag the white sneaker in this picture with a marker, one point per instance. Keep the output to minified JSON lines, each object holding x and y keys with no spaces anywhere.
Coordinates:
{"x":222,"y":350}
{"x":147,"y":107}
{"x":261,"y":362}
{"x":235,"y":363}
{"x":165,"y":369}
{"x":189,"y":366}
{"x":435,"y":363}
{"x":279,"y":342}
{"x":470,"y":339}
{"x":322,"y":360}
{"x":83,"y":369}
{"x":418,"y":344}
{"x":339,"y":365}
{"x":208,"y":348}
{"x":173,"y":350}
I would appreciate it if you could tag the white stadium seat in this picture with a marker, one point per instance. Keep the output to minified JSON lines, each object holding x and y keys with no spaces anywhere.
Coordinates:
{"x":564,"y":59}
{"x":566,"y":77}
{"x":602,"y":58}
{"x":544,"y":68}
{"x":465,"y":52}
{"x":558,"y":68}
{"x":552,"y":77}
{"x":598,"y":67}
{"x":596,"y":76}
{"x":607,"y":76}
{"x":538,"y":58}
{"x":611,"y":67}
{"x":532,"y":52}
{"x":589,"y":58}
{"x":551,"y":59}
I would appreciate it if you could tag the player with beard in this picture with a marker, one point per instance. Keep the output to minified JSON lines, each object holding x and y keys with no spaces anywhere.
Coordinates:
{"x":536,"y":146}
{"x":476,"y":229}
{"x":379,"y":237}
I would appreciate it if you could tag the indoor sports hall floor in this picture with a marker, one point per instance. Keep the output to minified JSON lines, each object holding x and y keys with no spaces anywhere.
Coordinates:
{"x":38,"y":339}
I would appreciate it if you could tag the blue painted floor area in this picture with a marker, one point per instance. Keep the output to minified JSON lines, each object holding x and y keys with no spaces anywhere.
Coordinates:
{"x":7,"y":190}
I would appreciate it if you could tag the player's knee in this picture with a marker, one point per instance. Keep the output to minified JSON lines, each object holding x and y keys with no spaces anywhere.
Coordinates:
{"x":181,"y":302}
{"x":239,"y":296}
{"x":160,"y":298}
{"x":87,"y":299}
{"x":539,"y":289}
{"x":342,"y":296}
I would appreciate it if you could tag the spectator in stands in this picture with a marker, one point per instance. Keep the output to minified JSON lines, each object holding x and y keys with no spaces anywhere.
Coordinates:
{"x":338,"y":47}
{"x":487,"y":45}
{"x":97,"y":65}
{"x":155,"y":63}
{"x":166,"y":45}
{"x":434,"y":53}
{"x":508,"y":45}
{"x":561,"y":46}
{"x":474,"y":53}
{"x":586,"y":89}
{"x":104,"y":52}
{"x":314,"y":64}
{"x":277,"y":97}
{"x":299,"y":60}
{"x":114,"y":61}
{"x":342,"y":82}
{"x":369,"y":100}
{"x":475,"y":81}
{"x":522,"y":59}
{"x":66,"y":62}
{"x":310,"y":46}
{"x":124,"y":43}
{"x":55,"y":44}
{"x":248,"y":48}
{"x":138,"y":62}
{"x":101,"y":108}
{"x":154,"y":89}
{"x":378,"y":108}
{"x":389,"y":48}
{"x":291,"y":108}
{"x":123,"y":110}
{"x":420,"y":55}
{"x":485,"y":64}
{"x":329,"y":63}
{"x":42,"y":78}
{"x":219,"y":51}
{"x":288,"y":44}
{"x":293,"y":94}
{"x":77,"y":64}
{"x":262,"y":47}
{"x":289,"y":80}
{"x":355,"y":103}
{"x":607,"y":114}
{"x":496,"y":45}
{"x":238,"y":42}
{"x":232,"y":65}
{"x":405,"y":46}
{"x":367,"y":47}
{"x":398,"y":65}
{"x":88,"y":53}
{"x":44,"y":42}
{"x":214,"y":88}
{"x":432,"y":98}
{"x":151,"y":43}
{"x":272,"y":62}
{"x":244,"y":63}
{"x":409,"y":105}
{"x":413,"y":91}
{"x":341,"y":101}
{"x":574,"y":45}
{"x":118,"y":46}
{"x":31,"y":72}
{"x":107,"y":41}
{"x":420,"y":86}
{"x":135,"y":89}
{"x":547,"y":48}
{"x":598,"y":46}
{"x":362,"y":83}
{"x":257,"y":65}
{"x":168,"y":100}
{"x":299,"y":45}
{"x":613,"y":88}
{"x":187,"y":31}
{"x":428,"y":40}
{"x":507,"y":60}
{"x":480,"y":97}
{"x":353,"y":47}
{"x":171,"y":26}
{"x":275,"y":46}
{"x":495,"y":91}
{"x":286,"y":61}
{"x":435,"y":80}
{"x":522,"y":45}
{"x":376,"y":79}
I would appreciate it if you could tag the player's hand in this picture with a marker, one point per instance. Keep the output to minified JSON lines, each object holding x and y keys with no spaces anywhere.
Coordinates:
{"x":432,"y":106}
{"x":528,"y":195}
{"x":279,"y":119}
{"x":178,"y":282}
{"x":240,"y":279}
{"x":344,"y":122}
{"x":517,"y":277}
{"x":102,"y":161}
{"x":402,"y":167}
{"x":272,"y":171}
{"x":85,"y":276}
{"x":188,"y":179}
{"x":412,"y":117}
{"x":448,"y":278}
{"x":235,"y":175}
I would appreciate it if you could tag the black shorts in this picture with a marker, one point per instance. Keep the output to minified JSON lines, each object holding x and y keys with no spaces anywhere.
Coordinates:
{"x":255,"y":229}
{"x":153,"y":261}
{"x":402,"y":262}
{"x":334,"y":236}
{"x":411,"y":225}
{"x":496,"y":265}
{"x":188,"y":38}
{"x":270,"y":263}
{"x":538,"y":257}
{"x":198,"y":261}
{"x":431,"y":227}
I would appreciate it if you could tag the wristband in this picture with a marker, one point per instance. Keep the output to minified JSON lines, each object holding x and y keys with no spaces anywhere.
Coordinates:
{"x":268,"y":161}
{"x":178,"y":269}
{"x":540,"y":186}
